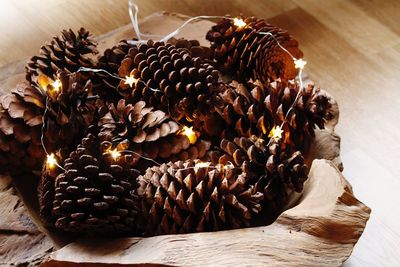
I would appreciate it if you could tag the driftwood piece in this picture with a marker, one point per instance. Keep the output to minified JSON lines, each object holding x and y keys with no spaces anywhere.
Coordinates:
{"x":320,"y":231}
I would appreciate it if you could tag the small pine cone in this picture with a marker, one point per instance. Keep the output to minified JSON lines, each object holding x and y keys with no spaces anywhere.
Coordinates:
{"x":274,"y":172}
{"x":95,"y":192}
{"x":69,"y":112}
{"x":245,"y":53}
{"x":20,"y":130}
{"x":181,"y":197}
{"x":194,"y":47}
{"x":68,"y":53}
{"x":169,"y":79}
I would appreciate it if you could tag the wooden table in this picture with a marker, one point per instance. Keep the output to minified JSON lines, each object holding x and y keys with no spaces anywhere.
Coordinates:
{"x":353,"y":51}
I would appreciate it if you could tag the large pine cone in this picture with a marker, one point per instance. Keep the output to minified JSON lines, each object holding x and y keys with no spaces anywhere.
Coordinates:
{"x":275,"y":172}
{"x":245,"y":53}
{"x":254,"y":109}
{"x":181,"y":197}
{"x":169,"y":79}
{"x":67,"y":52}
{"x":20,"y":129}
{"x":95,"y":193}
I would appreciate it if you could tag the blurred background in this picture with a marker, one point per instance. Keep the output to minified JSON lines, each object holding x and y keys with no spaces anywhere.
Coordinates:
{"x":353,"y":51}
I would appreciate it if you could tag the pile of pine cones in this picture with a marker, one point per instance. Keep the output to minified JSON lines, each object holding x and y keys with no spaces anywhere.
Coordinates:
{"x":126,"y":163}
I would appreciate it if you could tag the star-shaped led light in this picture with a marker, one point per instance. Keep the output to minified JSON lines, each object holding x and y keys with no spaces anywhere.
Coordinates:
{"x":57,"y":85}
{"x":299,"y":63}
{"x":189,"y":133}
{"x":130,"y":80}
{"x":276,"y":133}
{"x":115,"y":154}
{"x":51,"y":161}
{"x":239,"y":22}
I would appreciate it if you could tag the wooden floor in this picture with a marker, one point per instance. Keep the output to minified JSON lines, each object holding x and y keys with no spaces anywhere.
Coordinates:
{"x":352,"y":49}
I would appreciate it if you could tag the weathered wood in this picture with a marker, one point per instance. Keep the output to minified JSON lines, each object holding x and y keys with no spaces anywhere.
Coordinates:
{"x":21,"y":243}
{"x":320,"y":231}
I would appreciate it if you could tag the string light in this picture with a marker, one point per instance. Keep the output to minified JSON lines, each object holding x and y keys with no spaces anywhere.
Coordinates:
{"x":57,"y":85}
{"x":130,"y":80}
{"x":51,"y":161}
{"x":202,"y":164}
{"x":189,"y":133}
{"x":126,"y":80}
{"x":238,"y":22}
{"x":115,"y":154}
{"x":48,"y":85}
{"x":299,"y":63}
{"x":276,"y":133}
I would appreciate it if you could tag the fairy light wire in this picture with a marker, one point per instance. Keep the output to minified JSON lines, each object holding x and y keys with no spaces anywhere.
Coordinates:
{"x":176,"y":31}
{"x":230,"y":165}
{"x":42,"y":136}
{"x":85,"y":69}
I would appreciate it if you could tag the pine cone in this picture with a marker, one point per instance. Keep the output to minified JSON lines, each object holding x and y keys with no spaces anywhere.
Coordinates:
{"x":104,"y":84}
{"x":152,"y":132}
{"x":69,"y":111}
{"x":253,"y":109}
{"x":95,"y":192}
{"x":194,"y":48}
{"x":67,"y":53}
{"x":137,"y":122}
{"x":20,"y":130}
{"x":275,"y":172}
{"x":245,"y":53}
{"x":181,"y":198}
{"x":170,"y":79}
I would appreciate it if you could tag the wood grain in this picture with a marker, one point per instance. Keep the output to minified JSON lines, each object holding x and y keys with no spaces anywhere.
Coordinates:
{"x":320,"y":231}
{"x":344,"y":55}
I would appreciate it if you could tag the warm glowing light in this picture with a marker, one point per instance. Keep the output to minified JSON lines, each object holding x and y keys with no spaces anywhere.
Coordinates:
{"x":189,"y":133}
{"x":276,"y":133}
{"x":239,"y":23}
{"x":202,"y":164}
{"x":51,"y":161}
{"x":299,"y":63}
{"x":57,"y":85}
{"x":130,"y":80}
{"x":47,"y":84}
{"x":115,"y":154}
